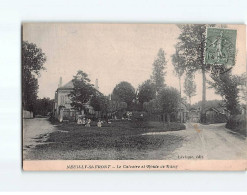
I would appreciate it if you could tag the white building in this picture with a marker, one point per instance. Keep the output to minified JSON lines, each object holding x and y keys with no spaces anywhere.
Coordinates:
{"x":62,"y":104}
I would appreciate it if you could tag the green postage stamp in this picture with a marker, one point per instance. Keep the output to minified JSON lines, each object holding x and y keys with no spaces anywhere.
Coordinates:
{"x":220,"y":46}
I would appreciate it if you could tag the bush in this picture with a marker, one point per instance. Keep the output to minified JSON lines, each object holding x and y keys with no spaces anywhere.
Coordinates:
{"x":157,"y":126}
{"x":237,"y":123}
{"x":164,"y":126}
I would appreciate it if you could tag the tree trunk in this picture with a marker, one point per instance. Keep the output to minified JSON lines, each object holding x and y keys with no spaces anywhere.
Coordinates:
{"x":203,"y":115}
{"x":168,"y":119}
{"x":163,"y":119}
{"x":189,"y":103}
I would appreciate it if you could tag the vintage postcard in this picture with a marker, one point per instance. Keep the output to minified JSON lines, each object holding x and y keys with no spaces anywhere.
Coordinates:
{"x":101,"y":97}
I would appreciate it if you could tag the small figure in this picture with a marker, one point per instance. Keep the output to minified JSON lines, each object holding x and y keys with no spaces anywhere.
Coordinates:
{"x":60,"y":118}
{"x":88,"y":123}
{"x":99,"y":124}
{"x":84,"y":121}
{"x":79,"y":121}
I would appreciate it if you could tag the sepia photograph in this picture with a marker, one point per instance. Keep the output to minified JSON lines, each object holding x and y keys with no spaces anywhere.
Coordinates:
{"x":112,"y":96}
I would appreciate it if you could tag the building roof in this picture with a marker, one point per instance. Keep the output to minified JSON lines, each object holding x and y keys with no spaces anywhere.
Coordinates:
{"x":68,"y":85}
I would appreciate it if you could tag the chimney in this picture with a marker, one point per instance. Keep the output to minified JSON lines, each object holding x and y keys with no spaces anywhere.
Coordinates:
{"x":96,"y":84}
{"x":60,"y":82}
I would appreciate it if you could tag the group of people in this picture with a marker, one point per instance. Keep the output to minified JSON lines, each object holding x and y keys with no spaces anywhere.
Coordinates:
{"x":87,"y":122}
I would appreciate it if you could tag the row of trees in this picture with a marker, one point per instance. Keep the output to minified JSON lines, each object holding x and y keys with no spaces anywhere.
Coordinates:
{"x":152,"y":95}
{"x":189,"y":59}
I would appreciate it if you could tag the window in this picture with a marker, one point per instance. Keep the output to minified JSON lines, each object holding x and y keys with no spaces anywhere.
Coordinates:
{"x":62,"y":100}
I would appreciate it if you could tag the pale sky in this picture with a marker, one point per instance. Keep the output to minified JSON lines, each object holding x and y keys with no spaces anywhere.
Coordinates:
{"x":111,"y":53}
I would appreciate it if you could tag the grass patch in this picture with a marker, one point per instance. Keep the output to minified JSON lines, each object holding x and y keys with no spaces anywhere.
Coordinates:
{"x":120,"y":140}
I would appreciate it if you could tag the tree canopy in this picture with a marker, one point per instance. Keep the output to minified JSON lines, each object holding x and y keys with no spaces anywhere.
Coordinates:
{"x":99,"y":102}
{"x":124,"y":92}
{"x":226,"y":85}
{"x":168,"y":100}
{"x":178,"y":62}
{"x":33,"y":60}
{"x":43,"y":106}
{"x":82,"y":92}
{"x":146,"y":91}
{"x":158,"y":74}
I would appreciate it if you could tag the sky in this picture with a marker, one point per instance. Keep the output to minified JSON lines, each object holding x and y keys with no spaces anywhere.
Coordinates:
{"x":112,"y":53}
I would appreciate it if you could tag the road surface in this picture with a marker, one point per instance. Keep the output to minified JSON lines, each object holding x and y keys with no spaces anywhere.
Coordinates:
{"x":209,"y":142}
{"x":35,"y":131}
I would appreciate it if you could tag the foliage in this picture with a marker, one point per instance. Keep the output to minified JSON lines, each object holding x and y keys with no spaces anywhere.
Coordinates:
{"x":191,"y":45}
{"x":115,"y":106}
{"x":158,"y":75}
{"x":99,"y":102}
{"x":152,"y":107}
{"x":189,"y":87}
{"x":242,"y":83}
{"x":146,"y":91}
{"x":210,"y":104}
{"x":33,"y":60}
{"x":237,"y":123}
{"x":168,"y":99}
{"x":227,"y":86}
{"x":124,"y":92}
{"x":82,"y":91}
{"x":29,"y":91}
{"x":178,"y":62}
{"x":43,"y":106}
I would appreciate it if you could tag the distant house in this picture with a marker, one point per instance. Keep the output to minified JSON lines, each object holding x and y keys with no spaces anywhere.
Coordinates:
{"x":62,"y":105}
{"x":217,"y":115}
{"x":213,"y":115}
{"x":194,"y":115}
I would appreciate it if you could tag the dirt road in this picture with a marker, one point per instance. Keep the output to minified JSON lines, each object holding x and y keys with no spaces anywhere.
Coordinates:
{"x":212,"y":142}
{"x":35,"y":131}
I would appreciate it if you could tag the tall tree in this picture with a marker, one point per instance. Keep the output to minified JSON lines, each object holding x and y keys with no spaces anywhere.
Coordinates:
{"x":226,"y":85}
{"x":146,"y":91}
{"x":124,"y":92}
{"x":189,"y":87}
{"x":33,"y":60}
{"x":82,"y":92}
{"x":158,"y":75}
{"x":178,"y":61}
{"x":192,"y":42}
